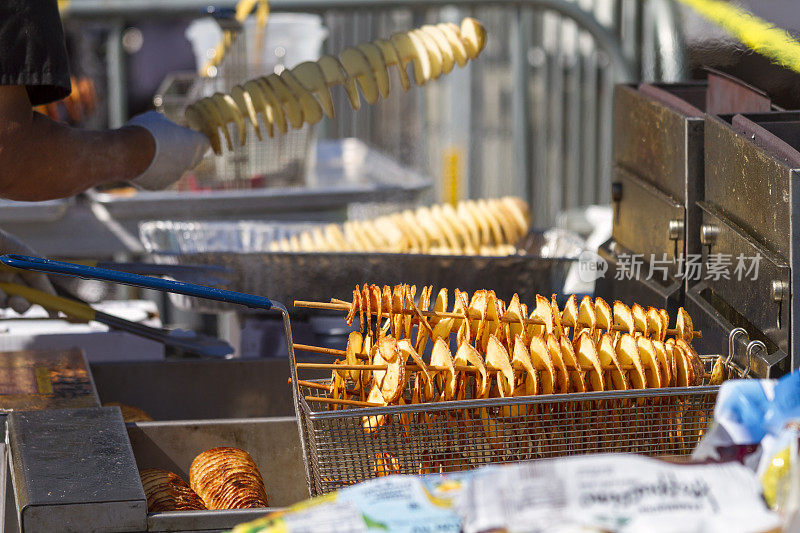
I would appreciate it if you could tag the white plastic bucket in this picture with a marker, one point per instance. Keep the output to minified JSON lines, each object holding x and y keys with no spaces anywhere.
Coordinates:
{"x":290,"y":38}
{"x":204,"y":34}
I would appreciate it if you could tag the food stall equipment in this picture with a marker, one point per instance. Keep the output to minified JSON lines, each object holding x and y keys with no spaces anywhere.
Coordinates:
{"x":273,"y":441}
{"x":540,"y":266}
{"x":38,"y":380}
{"x":73,"y":469}
{"x":669,"y":159}
{"x":658,"y":180}
{"x":750,"y":208}
{"x":557,"y":425}
{"x":346,"y":445}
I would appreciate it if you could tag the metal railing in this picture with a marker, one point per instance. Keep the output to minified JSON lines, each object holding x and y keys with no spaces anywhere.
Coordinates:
{"x":531,"y":117}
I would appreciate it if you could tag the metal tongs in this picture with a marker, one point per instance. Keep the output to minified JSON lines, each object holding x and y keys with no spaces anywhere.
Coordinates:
{"x":188,"y":341}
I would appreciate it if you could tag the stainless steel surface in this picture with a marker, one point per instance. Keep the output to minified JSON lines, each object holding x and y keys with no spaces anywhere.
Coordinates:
{"x":717,"y":322}
{"x":643,"y":223}
{"x":750,"y":185}
{"x":205,"y":521}
{"x":346,"y":171}
{"x":321,"y":276}
{"x":30,"y":212}
{"x":658,"y":177}
{"x":535,"y":115}
{"x":746,"y":302}
{"x":644,"y":290}
{"x":197,"y":390}
{"x":751,"y":209}
{"x":651,"y":422}
{"x":727,"y":94}
{"x":273,"y":443}
{"x":73,"y":470}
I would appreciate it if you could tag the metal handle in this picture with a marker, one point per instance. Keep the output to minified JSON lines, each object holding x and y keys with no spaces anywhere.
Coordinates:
{"x":752,"y":347}
{"x":49,"y":266}
{"x":735,"y":332}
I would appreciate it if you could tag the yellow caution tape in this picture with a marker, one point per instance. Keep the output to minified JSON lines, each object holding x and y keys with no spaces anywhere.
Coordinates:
{"x":756,"y":33}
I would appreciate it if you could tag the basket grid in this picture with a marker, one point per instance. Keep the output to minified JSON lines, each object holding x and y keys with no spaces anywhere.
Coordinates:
{"x":460,"y":435}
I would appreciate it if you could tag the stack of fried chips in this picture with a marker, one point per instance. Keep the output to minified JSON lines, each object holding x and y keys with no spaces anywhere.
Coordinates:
{"x":166,"y":491}
{"x":227,"y":478}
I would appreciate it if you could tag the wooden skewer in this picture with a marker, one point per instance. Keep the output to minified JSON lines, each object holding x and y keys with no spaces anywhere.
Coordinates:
{"x":326,"y":351}
{"x":342,"y":401}
{"x":320,"y":386}
{"x":344,"y":306}
{"x":416,"y":368}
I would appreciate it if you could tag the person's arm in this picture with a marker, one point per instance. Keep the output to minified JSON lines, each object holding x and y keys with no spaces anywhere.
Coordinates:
{"x":41,"y":159}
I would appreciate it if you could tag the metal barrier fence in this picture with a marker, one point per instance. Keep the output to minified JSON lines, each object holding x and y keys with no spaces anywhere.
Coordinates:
{"x":531,"y":117}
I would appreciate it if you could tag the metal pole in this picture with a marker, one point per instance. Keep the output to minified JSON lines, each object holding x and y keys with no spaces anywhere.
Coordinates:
{"x":115,"y":66}
{"x":520,"y":105}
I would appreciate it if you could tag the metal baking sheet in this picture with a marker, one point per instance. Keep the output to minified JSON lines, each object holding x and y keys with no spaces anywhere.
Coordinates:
{"x":346,"y":171}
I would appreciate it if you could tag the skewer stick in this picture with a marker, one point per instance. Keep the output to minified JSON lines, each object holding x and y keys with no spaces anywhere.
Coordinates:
{"x":344,"y":306}
{"x":342,"y":401}
{"x":319,"y":386}
{"x":325,"y":351}
{"x":416,"y":368}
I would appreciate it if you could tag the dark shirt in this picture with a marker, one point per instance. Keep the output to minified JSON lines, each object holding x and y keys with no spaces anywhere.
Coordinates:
{"x":32,"y":49}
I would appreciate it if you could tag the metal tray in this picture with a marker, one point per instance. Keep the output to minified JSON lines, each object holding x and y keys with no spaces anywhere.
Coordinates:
{"x":346,"y":171}
{"x":274,"y":444}
{"x":199,"y":390}
{"x":541,"y":268}
{"x":12,"y":212}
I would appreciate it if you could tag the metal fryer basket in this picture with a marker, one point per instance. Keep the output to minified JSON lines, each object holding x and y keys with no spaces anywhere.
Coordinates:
{"x":460,"y":435}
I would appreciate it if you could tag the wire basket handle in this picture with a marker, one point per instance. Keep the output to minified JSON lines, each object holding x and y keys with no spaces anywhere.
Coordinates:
{"x":49,"y":266}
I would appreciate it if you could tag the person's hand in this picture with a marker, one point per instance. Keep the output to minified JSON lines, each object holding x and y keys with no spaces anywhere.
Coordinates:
{"x":36,"y":280}
{"x":178,"y":150}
